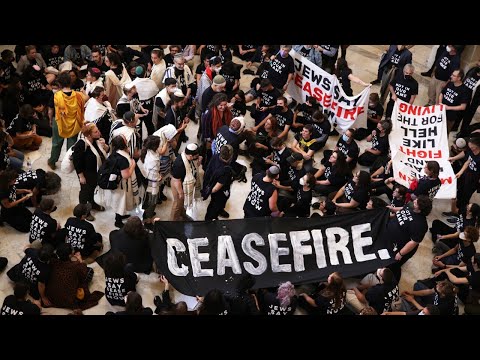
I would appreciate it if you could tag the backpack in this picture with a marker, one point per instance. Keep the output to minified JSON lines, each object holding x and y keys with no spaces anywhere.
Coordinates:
{"x":109,"y":175}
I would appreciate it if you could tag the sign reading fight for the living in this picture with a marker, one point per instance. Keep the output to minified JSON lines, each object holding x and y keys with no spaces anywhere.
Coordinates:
{"x":311,"y":80}
{"x":203,"y":255}
{"x":419,"y":134}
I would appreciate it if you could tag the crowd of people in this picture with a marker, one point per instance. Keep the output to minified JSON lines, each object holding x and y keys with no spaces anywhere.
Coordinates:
{"x":124,"y":114}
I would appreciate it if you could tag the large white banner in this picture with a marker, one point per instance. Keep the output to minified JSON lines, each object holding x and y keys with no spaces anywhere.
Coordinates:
{"x":419,"y":134}
{"x":310,"y":80}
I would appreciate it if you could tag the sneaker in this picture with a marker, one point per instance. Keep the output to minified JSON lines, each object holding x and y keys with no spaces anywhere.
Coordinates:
{"x":224,"y":214}
{"x":334,"y":132}
{"x":452,"y":220}
{"x":119,"y":224}
{"x":426,"y":73}
{"x":449,"y":213}
{"x":248,"y":72}
{"x":90,"y":217}
{"x":375,"y":82}
{"x":163,"y":197}
{"x":97,"y":207}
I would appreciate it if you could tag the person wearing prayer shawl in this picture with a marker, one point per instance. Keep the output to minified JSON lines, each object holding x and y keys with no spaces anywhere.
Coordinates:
{"x":93,"y":80}
{"x":162,"y":100}
{"x":115,"y":78}
{"x":183,"y":183}
{"x":100,"y":112}
{"x":129,"y":128}
{"x":159,"y":66}
{"x":69,"y":115}
{"x":147,"y":90}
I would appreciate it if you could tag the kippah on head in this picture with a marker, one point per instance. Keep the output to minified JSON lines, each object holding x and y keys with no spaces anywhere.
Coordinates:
{"x":191,"y":149}
{"x":274,"y":170}
{"x":170,"y":81}
{"x":219,"y":80}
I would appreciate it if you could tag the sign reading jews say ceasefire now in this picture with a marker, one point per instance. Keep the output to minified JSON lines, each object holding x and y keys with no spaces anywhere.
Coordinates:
{"x":311,"y":80}
{"x":419,"y":134}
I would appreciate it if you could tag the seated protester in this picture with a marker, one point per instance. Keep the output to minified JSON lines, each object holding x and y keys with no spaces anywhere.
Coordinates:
{"x":300,"y":207}
{"x":34,"y":270}
{"x":132,"y":240}
{"x":322,"y":128}
{"x":14,"y":211}
{"x":466,"y":278}
{"x":383,"y":180}
{"x":443,"y":295}
{"x":307,"y":109}
{"x":375,"y":203}
{"x":284,"y":117}
{"x":232,"y":77}
{"x":382,"y":295}
{"x":374,"y":116}
{"x":279,"y":157}
{"x":407,"y":230}
{"x":306,"y":144}
{"x":354,"y":194}
{"x":133,"y":306}
{"x":333,"y":175}
{"x":245,"y":52}
{"x":281,"y":302}
{"x":380,"y":146}
{"x":469,"y":216}
{"x":462,"y":252}
{"x":17,"y":304}
{"x":53,"y":58}
{"x":40,"y":182}
{"x":7,"y":69}
{"x":239,"y":107}
{"x":79,"y":55}
{"x":291,"y":173}
{"x":43,"y":227}
{"x":94,"y":78}
{"x":67,"y":285}
{"x":35,"y":85}
{"x":259,"y":145}
{"x":266,"y":101}
{"x":81,"y":235}
{"x":97,"y":59}
{"x":164,"y":304}
{"x":242,"y":300}
{"x":347,"y":145}
{"x":99,"y":112}
{"x":119,"y":280}
{"x":213,"y":303}
{"x":14,"y":96}
{"x":23,"y":130}
{"x":328,"y":299}
{"x":262,"y":199}
{"x":430,"y":183}
{"x":398,"y":199}
{"x":76,"y":83}
{"x":218,"y":179}
{"x":403,"y":87}
{"x":162,"y":101}
{"x":41,"y":121}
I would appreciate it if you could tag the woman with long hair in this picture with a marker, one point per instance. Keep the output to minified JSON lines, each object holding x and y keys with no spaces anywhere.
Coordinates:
{"x":150,"y":166}
{"x":354,"y":194}
{"x":330,"y":298}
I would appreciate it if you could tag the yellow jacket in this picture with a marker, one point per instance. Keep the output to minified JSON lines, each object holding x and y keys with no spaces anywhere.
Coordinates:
{"x":69,"y":113}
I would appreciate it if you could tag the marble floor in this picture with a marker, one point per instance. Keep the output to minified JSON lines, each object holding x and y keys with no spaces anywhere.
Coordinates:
{"x":363,"y":59}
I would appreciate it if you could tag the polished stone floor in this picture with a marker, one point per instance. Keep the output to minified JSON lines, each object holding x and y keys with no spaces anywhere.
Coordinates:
{"x":363,"y":59}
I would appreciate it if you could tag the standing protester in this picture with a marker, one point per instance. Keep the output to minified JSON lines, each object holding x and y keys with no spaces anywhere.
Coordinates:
{"x":262,"y":199}
{"x":99,"y":112}
{"x":403,"y":87}
{"x":115,"y":78}
{"x":471,"y":82}
{"x":68,"y":109}
{"x":455,"y":97}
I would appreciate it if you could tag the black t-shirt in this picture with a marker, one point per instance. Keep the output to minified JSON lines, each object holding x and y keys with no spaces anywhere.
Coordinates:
{"x":257,"y":202}
{"x":31,"y":179}
{"x":349,"y":150}
{"x":322,"y":128}
{"x":269,"y":98}
{"x":53,"y":60}
{"x":380,"y":143}
{"x":474,"y":280}
{"x":327,"y":305}
{"x":42,"y":227}
{"x":427,"y":186}
{"x":116,"y":288}
{"x":465,"y":252}
{"x":404,"y":88}
{"x":13,"y":306}
{"x":407,"y":225}
{"x":345,"y":81}
{"x":280,"y":158}
{"x":471,"y":79}
{"x":272,"y":305}
{"x":293,"y":176}
{"x":32,"y":269}
{"x":200,"y":69}
{"x":11,"y":195}
{"x":20,"y":125}
{"x":446,"y":306}
{"x":307,"y":111}
{"x":445,"y":66}
{"x":178,"y":169}
{"x":375,"y":112}
{"x":474,"y":161}
{"x":381,"y":296}
{"x":303,"y":200}
{"x":455,"y":95}
{"x":279,"y":69}
{"x":283,"y":118}
{"x":8,"y":70}
{"x":359,"y":195}
{"x":225,"y":136}
{"x":332,"y":175}
{"x":238,"y":109}
{"x":80,"y":235}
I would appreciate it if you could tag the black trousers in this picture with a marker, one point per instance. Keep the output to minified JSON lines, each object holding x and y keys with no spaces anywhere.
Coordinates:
{"x":217,"y":203}
{"x":87,"y":190}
